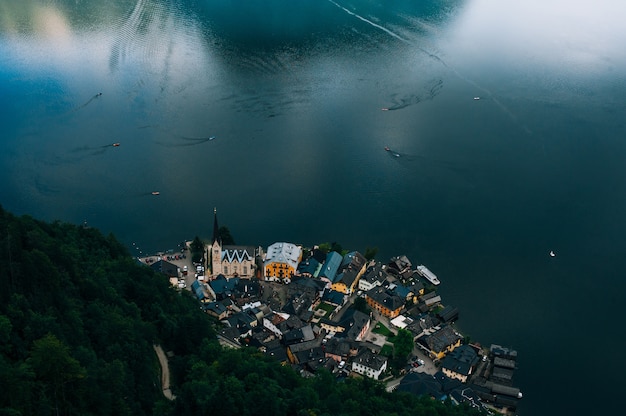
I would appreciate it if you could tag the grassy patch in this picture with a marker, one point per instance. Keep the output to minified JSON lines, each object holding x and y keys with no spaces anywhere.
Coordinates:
{"x":326,"y":307}
{"x":382,"y":330}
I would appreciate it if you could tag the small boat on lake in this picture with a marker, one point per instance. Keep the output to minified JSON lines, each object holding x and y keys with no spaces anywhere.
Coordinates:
{"x":387,"y":148}
{"x":552,"y":253}
{"x":476,"y":98}
{"x":116,"y":144}
{"x":155,"y":193}
{"x":212,"y":138}
{"x":384,"y":109}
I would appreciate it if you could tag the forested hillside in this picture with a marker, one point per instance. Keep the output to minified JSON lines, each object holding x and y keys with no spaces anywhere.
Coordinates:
{"x":79,"y":317}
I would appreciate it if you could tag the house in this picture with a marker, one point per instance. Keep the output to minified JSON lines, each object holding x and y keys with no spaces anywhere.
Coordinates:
{"x":312,"y":287}
{"x":374,"y":276}
{"x":229,"y":337}
{"x":298,"y":335}
{"x":222,"y":287}
{"x":310,"y":267}
{"x":216,"y":309}
{"x":352,"y":325}
{"x":422,"y":384}
{"x":281,"y":262}
{"x":166,"y":268}
{"x":369,"y":364}
{"x":334,"y":298}
{"x":401,"y":321}
{"x":448,"y":314}
{"x":385,"y":303}
{"x":350,"y":271}
{"x":337,"y":348}
{"x":460,"y":363}
{"x":294,"y":350}
{"x":441,"y":342}
{"x":330,"y":267}
{"x":198,"y":290}
{"x":399,"y":264}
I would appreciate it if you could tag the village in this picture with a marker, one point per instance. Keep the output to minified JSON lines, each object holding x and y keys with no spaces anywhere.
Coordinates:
{"x":311,"y":308}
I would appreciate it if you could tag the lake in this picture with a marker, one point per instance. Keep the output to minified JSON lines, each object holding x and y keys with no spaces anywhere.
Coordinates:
{"x":278,"y":114}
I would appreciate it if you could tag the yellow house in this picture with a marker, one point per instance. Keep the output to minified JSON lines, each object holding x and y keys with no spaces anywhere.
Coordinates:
{"x":281,"y":261}
{"x":350,"y":271}
{"x":385,"y":303}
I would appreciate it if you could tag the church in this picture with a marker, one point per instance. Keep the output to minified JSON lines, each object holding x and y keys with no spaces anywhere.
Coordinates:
{"x":232,"y":260}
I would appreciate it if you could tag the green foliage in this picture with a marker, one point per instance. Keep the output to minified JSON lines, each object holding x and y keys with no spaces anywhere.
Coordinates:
{"x":197,"y":250}
{"x":382,"y":330}
{"x":370,"y":252}
{"x":225,"y":237}
{"x":402,"y":347}
{"x":360,"y":304}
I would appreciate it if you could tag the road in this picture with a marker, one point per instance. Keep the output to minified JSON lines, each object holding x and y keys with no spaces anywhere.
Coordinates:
{"x":165,"y":372}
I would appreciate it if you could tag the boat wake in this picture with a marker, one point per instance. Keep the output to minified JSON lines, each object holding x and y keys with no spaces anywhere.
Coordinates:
{"x":431,"y":90}
{"x":180,"y":141}
{"x":85,"y":104}
{"x":437,"y":58}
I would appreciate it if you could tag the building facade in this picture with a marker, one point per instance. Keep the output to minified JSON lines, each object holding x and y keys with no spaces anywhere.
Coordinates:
{"x":281,"y":262}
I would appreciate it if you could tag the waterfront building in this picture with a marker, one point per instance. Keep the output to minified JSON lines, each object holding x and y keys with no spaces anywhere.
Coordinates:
{"x":350,"y":271}
{"x":460,"y":363}
{"x":439,"y":343}
{"x":281,"y":261}
{"x":330,"y":267}
{"x":374,"y":276}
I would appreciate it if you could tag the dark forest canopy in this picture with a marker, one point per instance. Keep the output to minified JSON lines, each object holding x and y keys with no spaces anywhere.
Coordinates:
{"x":78,"y":321}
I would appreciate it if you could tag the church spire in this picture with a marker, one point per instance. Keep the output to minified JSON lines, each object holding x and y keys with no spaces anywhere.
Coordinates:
{"x":215,"y":226}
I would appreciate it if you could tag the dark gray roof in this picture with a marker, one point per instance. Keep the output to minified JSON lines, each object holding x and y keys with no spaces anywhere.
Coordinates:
{"x":353,"y":321}
{"x":441,"y":339}
{"x":375,"y":273}
{"x":216,"y":307}
{"x":448,"y":314}
{"x":421,"y":384}
{"x":370,"y":360}
{"x":338,"y":346}
{"x":383,"y":297}
{"x":333,"y":297}
{"x":165,"y":267}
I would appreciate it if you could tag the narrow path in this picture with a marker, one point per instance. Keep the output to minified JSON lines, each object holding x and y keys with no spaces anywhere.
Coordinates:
{"x":165,"y":372}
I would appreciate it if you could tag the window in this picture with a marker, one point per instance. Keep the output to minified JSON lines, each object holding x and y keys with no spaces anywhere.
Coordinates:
{"x":225,"y":269}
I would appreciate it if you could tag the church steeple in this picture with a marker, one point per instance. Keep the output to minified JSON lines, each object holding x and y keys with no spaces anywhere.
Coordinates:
{"x":215,"y":226}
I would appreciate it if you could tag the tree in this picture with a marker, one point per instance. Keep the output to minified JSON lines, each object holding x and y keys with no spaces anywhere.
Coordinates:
{"x":224,"y":234}
{"x":370,"y":253}
{"x":361,"y":305}
{"x":402,"y":347}
{"x":197,"y":250}
{"x":53,"y":365}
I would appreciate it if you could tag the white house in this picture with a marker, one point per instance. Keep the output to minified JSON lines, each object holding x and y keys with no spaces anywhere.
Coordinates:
{"x":369,"y":364}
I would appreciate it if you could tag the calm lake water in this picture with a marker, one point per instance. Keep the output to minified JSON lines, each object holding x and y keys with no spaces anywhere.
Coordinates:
{"x":292,"y":93}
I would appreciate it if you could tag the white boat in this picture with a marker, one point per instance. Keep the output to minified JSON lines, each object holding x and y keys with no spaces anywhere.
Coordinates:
{"x":552,"y":253}
{"x":477,"y":98}
{"x":427,"y":274}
